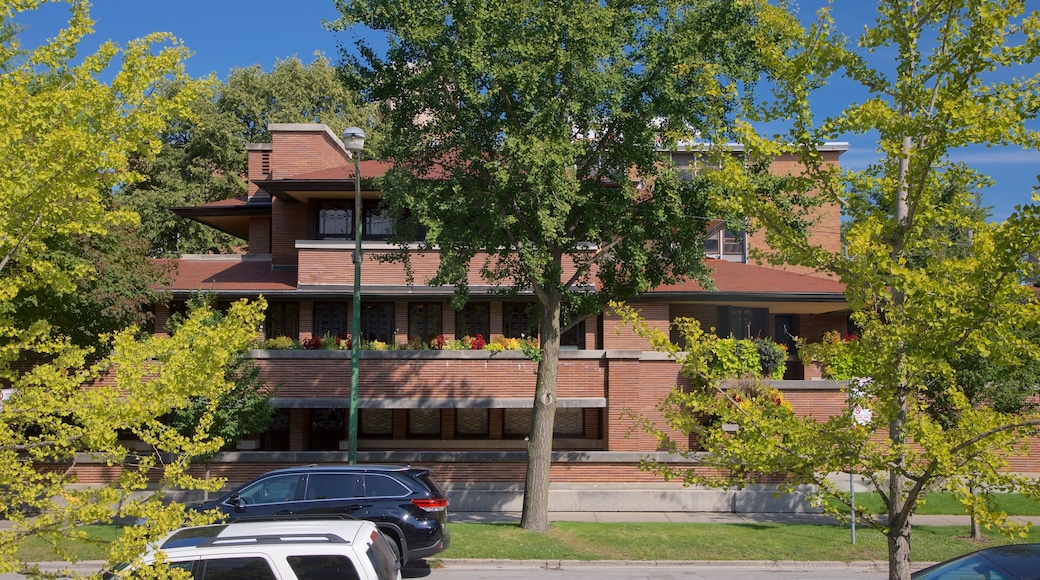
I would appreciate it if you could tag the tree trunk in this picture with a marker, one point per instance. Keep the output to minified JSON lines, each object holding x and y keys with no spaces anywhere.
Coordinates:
{"x":535,"y":516}
{"x":899,"y":549}
{"x":976,"y":529}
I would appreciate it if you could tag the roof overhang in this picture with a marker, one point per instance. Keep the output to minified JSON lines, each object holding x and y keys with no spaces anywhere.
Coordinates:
{"x":303,"y":190}
{"x":230,"y":219}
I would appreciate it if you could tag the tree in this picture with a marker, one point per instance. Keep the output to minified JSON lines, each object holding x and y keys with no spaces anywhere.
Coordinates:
{"x":117,"y":294}
{"x":69,"y":404}
{"x":526,"y":137}
{"x":930,"y":283}
{"x":67,"y":141}
{"x":203,"y":158}
{"x":243,"y":410}
{"x":69,"y":127}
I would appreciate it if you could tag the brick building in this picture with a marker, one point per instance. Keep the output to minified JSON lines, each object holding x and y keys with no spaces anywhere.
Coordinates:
{"x":465,"y":413}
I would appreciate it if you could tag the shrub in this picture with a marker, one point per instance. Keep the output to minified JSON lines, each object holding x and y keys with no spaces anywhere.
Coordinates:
{"x":772,"y":358}
{"x":734,"y":358}
{"x":279,"y":343}
{"x":839,"y":355}
{"x":312,"y":343}
{"x":474,"y":343}
{"x":504,"y":343}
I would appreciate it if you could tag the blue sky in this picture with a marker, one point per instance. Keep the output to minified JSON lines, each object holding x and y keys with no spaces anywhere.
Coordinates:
{"x":225,"y":34}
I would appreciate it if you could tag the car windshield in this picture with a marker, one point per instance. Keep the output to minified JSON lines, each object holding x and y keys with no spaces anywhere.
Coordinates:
{"x":969,"y":567}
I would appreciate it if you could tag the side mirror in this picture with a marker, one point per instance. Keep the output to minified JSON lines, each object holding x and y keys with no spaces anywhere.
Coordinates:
{"x":236,"y":500}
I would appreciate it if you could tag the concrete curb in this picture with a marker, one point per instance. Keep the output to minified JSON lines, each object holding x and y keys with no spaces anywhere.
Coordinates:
{"x":474,"y":564}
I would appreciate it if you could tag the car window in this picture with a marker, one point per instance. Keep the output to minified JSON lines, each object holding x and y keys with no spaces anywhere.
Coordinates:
{"x":323,"y":567}
{"x":383,"y":486}
{"x":383,"y":559}
{"x":236,"y":569}
{"x":333,"y":486}
{"x":271,"y":490}
{"x":971,"y":567}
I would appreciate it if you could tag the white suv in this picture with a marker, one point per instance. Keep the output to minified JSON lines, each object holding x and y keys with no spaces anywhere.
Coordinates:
{"x":280,"y":550}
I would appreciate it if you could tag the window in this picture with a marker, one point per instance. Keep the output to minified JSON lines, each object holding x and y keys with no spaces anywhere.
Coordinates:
{"x":282,"y":319}
{"x":732,"y":244}
{"x":519,"y":319}
{"x":725,"y":244}
{"x":330,"y":319}
{"x":471,"y":422}
{"x":375,"y":423}
{"x":333,"y":486}
{"x":276,"y":438}
{"x":327,"y":429}
{"x":570,"y":422}
{"x":574,"y":337}
{"x":377,"y":225}
{"x":377,"y":322}
{"x":785,"y":330}
{"x":322,"y":567}
{"x":742,"y":323}
{"x":424,"y":422}
{"x":424,"y":321}
{"x":335,"y":219}
{"x":275,"y":489}
{"x":377,"y":485}
{"x":236,"y":569}
{"x":473,"y":319}
{"x":516,"y":422}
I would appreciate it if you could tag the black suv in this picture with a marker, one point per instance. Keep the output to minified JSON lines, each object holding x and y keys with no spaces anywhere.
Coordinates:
{"x":405,"y":502}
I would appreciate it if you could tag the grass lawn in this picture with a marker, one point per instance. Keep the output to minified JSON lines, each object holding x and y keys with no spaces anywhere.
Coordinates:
{"x":675,"y":541}
{"x":679,"y":541}
{"x":944,"y":504}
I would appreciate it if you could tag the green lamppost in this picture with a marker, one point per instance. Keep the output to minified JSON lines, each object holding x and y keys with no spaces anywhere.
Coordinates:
{"x":354,"y":141}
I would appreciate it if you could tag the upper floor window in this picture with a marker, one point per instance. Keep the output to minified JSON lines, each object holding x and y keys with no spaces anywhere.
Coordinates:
{"x":331,"y":319}
{"x":334,"y":219}
{"x":282,"y":319}
{"x":724,"y":244}
{"x":424,"y":321}
{"x":377,"y":322}
{"x":741,"y":323}
{"x":473,"y":319}
{"x":574,"y":337}
{"x":519,"y":319}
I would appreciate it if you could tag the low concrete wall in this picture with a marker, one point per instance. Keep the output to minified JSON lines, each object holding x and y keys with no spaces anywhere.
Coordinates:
{"x":632,"y":498}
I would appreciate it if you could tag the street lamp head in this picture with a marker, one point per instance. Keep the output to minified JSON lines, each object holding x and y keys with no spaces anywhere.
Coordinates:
{"x":354,"y":139}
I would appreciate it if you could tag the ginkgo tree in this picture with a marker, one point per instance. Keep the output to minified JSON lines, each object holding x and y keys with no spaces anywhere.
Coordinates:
{"x":70,"y":125}
{"x":928,"y":280}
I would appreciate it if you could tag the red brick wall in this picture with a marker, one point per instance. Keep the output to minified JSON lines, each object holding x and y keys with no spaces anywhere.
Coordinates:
{"x":619,"y":336}
{"x":300,"y":149}
{"x":827,"y":233}
{"x":636,"y":386}
{"x":259,"y":235}
{"x":440,"y":377}
{"x":258,"y":159}
{"x":288,"y":224}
